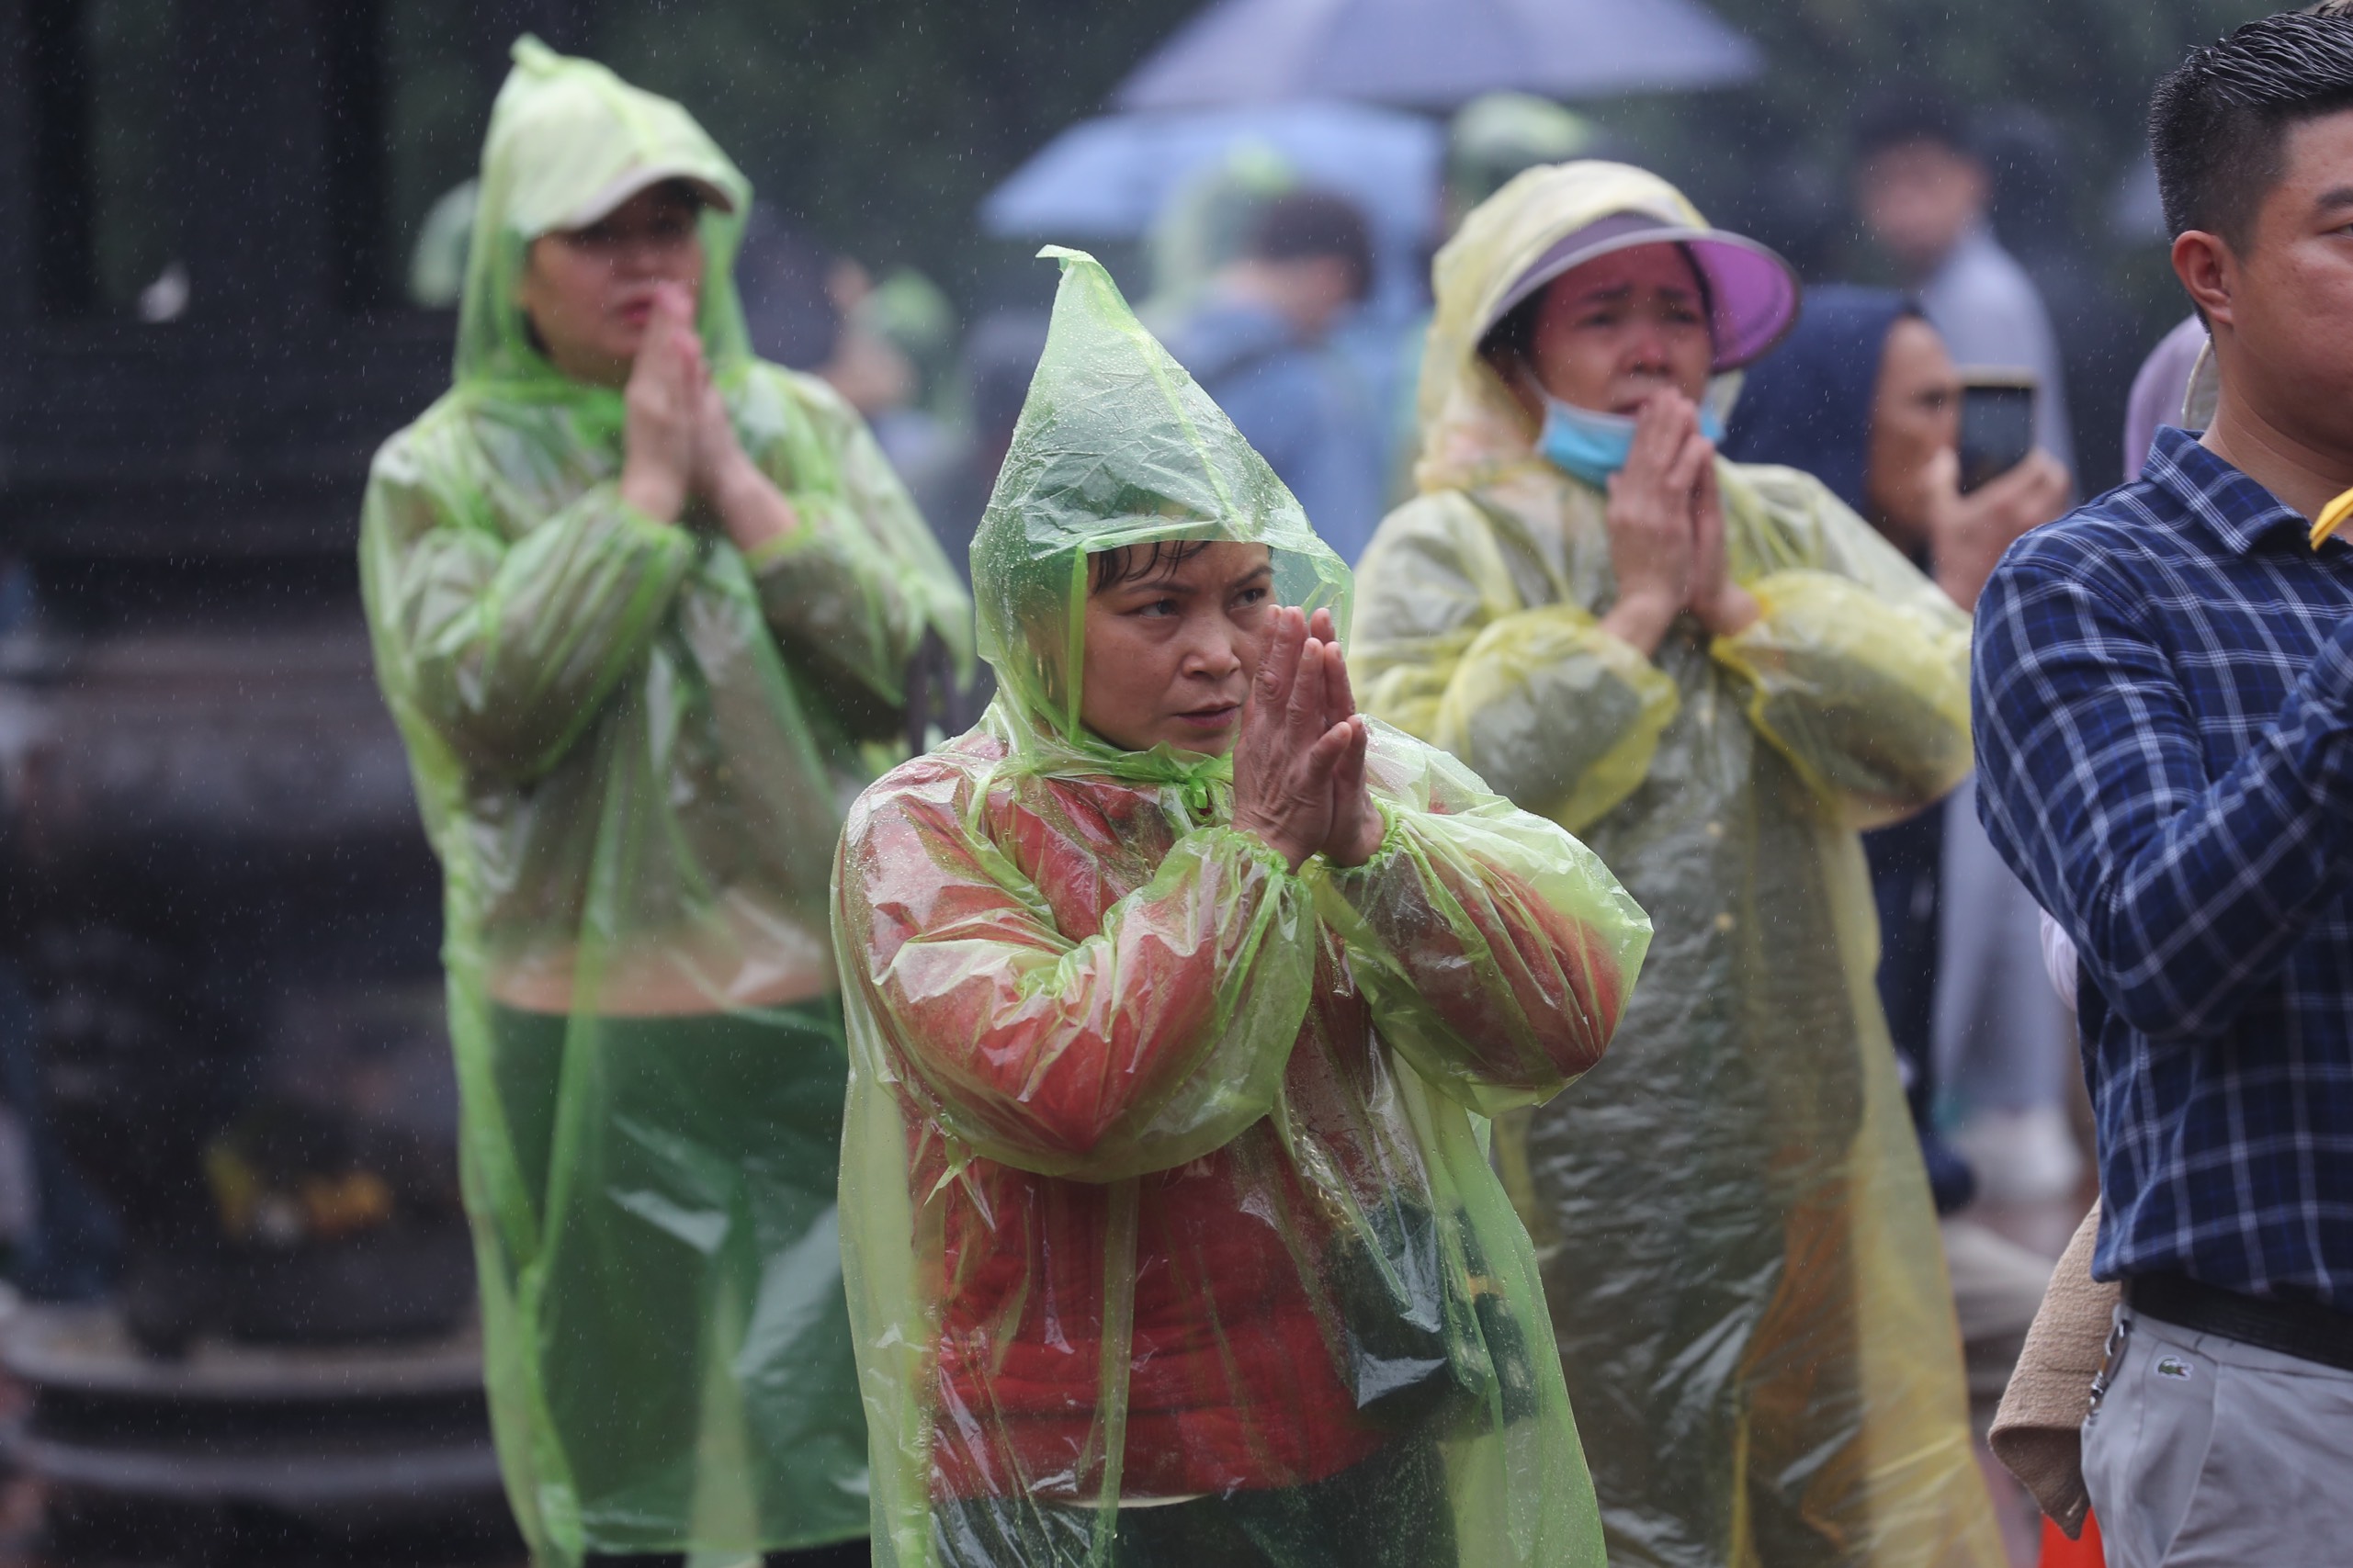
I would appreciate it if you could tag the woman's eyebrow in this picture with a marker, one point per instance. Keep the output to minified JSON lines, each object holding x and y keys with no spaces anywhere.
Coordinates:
{"x":1165,"y":580}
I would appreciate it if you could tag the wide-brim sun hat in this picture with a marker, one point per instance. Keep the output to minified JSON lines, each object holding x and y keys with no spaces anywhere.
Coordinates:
{"x":1752,"y":294}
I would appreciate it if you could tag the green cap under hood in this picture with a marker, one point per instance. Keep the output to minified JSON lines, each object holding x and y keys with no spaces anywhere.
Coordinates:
{"x":1116,"y":445}
{"x":562,"y":132}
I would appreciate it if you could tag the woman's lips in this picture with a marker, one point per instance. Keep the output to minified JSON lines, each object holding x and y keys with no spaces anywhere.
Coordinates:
{"x":1210,"y":718}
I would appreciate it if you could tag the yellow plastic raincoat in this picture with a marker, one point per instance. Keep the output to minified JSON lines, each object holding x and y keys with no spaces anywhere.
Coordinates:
{"x":1162,"y":1182}
{"x":1739,"y":1247}
{"x":632,"y":744}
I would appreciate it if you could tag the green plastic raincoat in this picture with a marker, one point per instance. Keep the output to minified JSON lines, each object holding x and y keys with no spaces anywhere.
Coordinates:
{"x":1739,"y":1247}
{"x":632,"y":744}
{"x":1163,"y":1182}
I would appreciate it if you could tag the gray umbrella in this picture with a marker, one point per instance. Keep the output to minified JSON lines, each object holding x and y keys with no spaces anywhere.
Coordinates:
{"x":1436,"y":53}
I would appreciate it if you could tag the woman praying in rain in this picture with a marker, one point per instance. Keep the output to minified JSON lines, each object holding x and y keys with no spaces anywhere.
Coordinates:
{"x":1177,"y":990}
{"x":643,"y":607}
{"x":1717,"y":675}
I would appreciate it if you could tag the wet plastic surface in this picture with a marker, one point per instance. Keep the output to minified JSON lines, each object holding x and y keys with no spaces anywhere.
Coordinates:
{"x":630,"y":741}
{"x":1163,"y":1184}
{"x":1737,"y":1243}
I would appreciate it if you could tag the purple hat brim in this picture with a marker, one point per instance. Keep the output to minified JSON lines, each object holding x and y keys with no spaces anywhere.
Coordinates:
{"x":1753,"y":295}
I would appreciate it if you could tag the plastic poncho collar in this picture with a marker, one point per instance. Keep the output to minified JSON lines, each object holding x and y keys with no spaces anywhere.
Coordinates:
{"x":1116,"y":447}
{"x":1473,"y":427}
{"x":561,"y":130}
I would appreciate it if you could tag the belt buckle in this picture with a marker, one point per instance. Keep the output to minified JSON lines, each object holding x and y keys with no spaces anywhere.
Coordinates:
{"x":2118,"y":1333}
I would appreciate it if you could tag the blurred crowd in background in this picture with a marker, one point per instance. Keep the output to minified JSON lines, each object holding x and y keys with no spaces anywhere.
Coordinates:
{"x":907,"y":168}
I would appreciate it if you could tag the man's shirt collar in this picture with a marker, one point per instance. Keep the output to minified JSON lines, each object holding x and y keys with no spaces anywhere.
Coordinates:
{"x":2240,"y":511}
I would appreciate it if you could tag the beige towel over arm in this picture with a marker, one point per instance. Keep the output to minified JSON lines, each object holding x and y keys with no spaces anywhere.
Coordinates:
{"x":2038,"y":1432}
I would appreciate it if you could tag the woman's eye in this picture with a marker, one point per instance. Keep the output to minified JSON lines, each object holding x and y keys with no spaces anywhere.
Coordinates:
{"x":1157,"y":607}
{"x":1251,"y":596}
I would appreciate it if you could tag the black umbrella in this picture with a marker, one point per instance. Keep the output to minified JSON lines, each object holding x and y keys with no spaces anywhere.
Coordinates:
{"x":1436,"y":53}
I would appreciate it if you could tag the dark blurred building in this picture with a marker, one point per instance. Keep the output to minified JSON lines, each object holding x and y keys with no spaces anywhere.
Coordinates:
{"x":224,"y":909}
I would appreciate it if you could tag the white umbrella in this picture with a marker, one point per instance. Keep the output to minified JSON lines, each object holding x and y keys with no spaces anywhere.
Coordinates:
{"x":1436,"y":53}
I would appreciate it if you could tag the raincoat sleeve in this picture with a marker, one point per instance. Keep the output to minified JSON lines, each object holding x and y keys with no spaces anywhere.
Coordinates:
{"x":1857,"y":669}
{"x":1557,"y":715}
{"x":507,"y":647}
{"x":1497,"y":952}
{"x":1143,"y":1044}
{"x":856,"y":586}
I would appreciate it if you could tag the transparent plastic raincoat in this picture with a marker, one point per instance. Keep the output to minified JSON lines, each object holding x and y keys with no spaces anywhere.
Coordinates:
{"x":1163,"y":1182}
{"x":1737,"y":1243}
{"x":632,"y":745}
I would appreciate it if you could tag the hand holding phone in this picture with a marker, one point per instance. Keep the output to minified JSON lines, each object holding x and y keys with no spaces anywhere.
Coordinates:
{"x":1997,"y":424}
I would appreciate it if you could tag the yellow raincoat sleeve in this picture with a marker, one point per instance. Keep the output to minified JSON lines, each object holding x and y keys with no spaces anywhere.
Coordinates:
{"x":1150,"y":1042}
{"x":1554,"y":713}
{"x":1497,"y":952}
{"x":1858,"y":669}
{"x":507,"y":647}
{"x":856,"y":586}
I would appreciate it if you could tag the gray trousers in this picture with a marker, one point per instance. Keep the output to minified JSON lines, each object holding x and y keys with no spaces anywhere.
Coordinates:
{"x":2206,"y":1452}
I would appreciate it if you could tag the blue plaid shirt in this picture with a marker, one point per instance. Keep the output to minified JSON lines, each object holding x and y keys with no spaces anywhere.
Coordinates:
{"x":2164,"y":731}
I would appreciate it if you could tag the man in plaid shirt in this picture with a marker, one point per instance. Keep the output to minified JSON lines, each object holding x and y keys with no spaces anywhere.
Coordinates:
{"x":2165,"y":731}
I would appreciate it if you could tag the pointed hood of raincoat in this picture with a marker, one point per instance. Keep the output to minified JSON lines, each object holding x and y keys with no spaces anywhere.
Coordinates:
{"x":1116,"y":445}
{"x":563,"y":131}
{"x":1473,"y":428}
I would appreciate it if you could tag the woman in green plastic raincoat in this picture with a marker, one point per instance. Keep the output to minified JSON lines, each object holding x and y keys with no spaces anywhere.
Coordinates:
{"x":639,"y":602}
{"x":1171,"y":1237}
{"x":1717,"y":675}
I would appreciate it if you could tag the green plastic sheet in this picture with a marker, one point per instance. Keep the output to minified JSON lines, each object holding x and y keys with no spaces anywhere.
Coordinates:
{"x":1739,"y":1251}
{"x":1170,"y":1231}
{"x":631,"y":745}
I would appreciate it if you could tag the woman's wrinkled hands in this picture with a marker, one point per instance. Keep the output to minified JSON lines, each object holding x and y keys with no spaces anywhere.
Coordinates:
{"x":1299,"y":762}
{"x":679,"y":440}
{"x":1666,"y":526}
{"x":1722,"y":606}
{"x":663,"y":405}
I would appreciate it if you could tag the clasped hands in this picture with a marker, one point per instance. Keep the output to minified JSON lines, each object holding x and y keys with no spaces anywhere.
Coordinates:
{"x":1666,"y":523}
{"x":678,"y":440}
{"x":1299,"y":760}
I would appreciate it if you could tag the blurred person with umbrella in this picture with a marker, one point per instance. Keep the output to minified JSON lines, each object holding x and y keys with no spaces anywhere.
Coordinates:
{"x":1714,"y":674}
{"x":643,"y":607}
{"x":1186,"y":182}
{"x":1259,"y":341}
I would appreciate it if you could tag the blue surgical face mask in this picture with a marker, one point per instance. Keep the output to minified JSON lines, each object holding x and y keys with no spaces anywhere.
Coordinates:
{"x":1594,"y":445}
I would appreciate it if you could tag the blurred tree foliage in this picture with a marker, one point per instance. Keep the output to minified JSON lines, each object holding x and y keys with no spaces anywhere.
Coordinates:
{"x":882,"y":126}
{"x":2088,"y":63}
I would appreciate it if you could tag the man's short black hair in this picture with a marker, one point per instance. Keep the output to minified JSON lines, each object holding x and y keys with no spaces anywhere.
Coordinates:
{"x":1304,"y":224}
{"x":1902,"y":116}
{"x":2219,"y":122}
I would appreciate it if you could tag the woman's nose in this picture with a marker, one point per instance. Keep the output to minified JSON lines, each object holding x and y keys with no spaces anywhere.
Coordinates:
{"x":1648,"y":350}
{"x":1211,"y":653}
